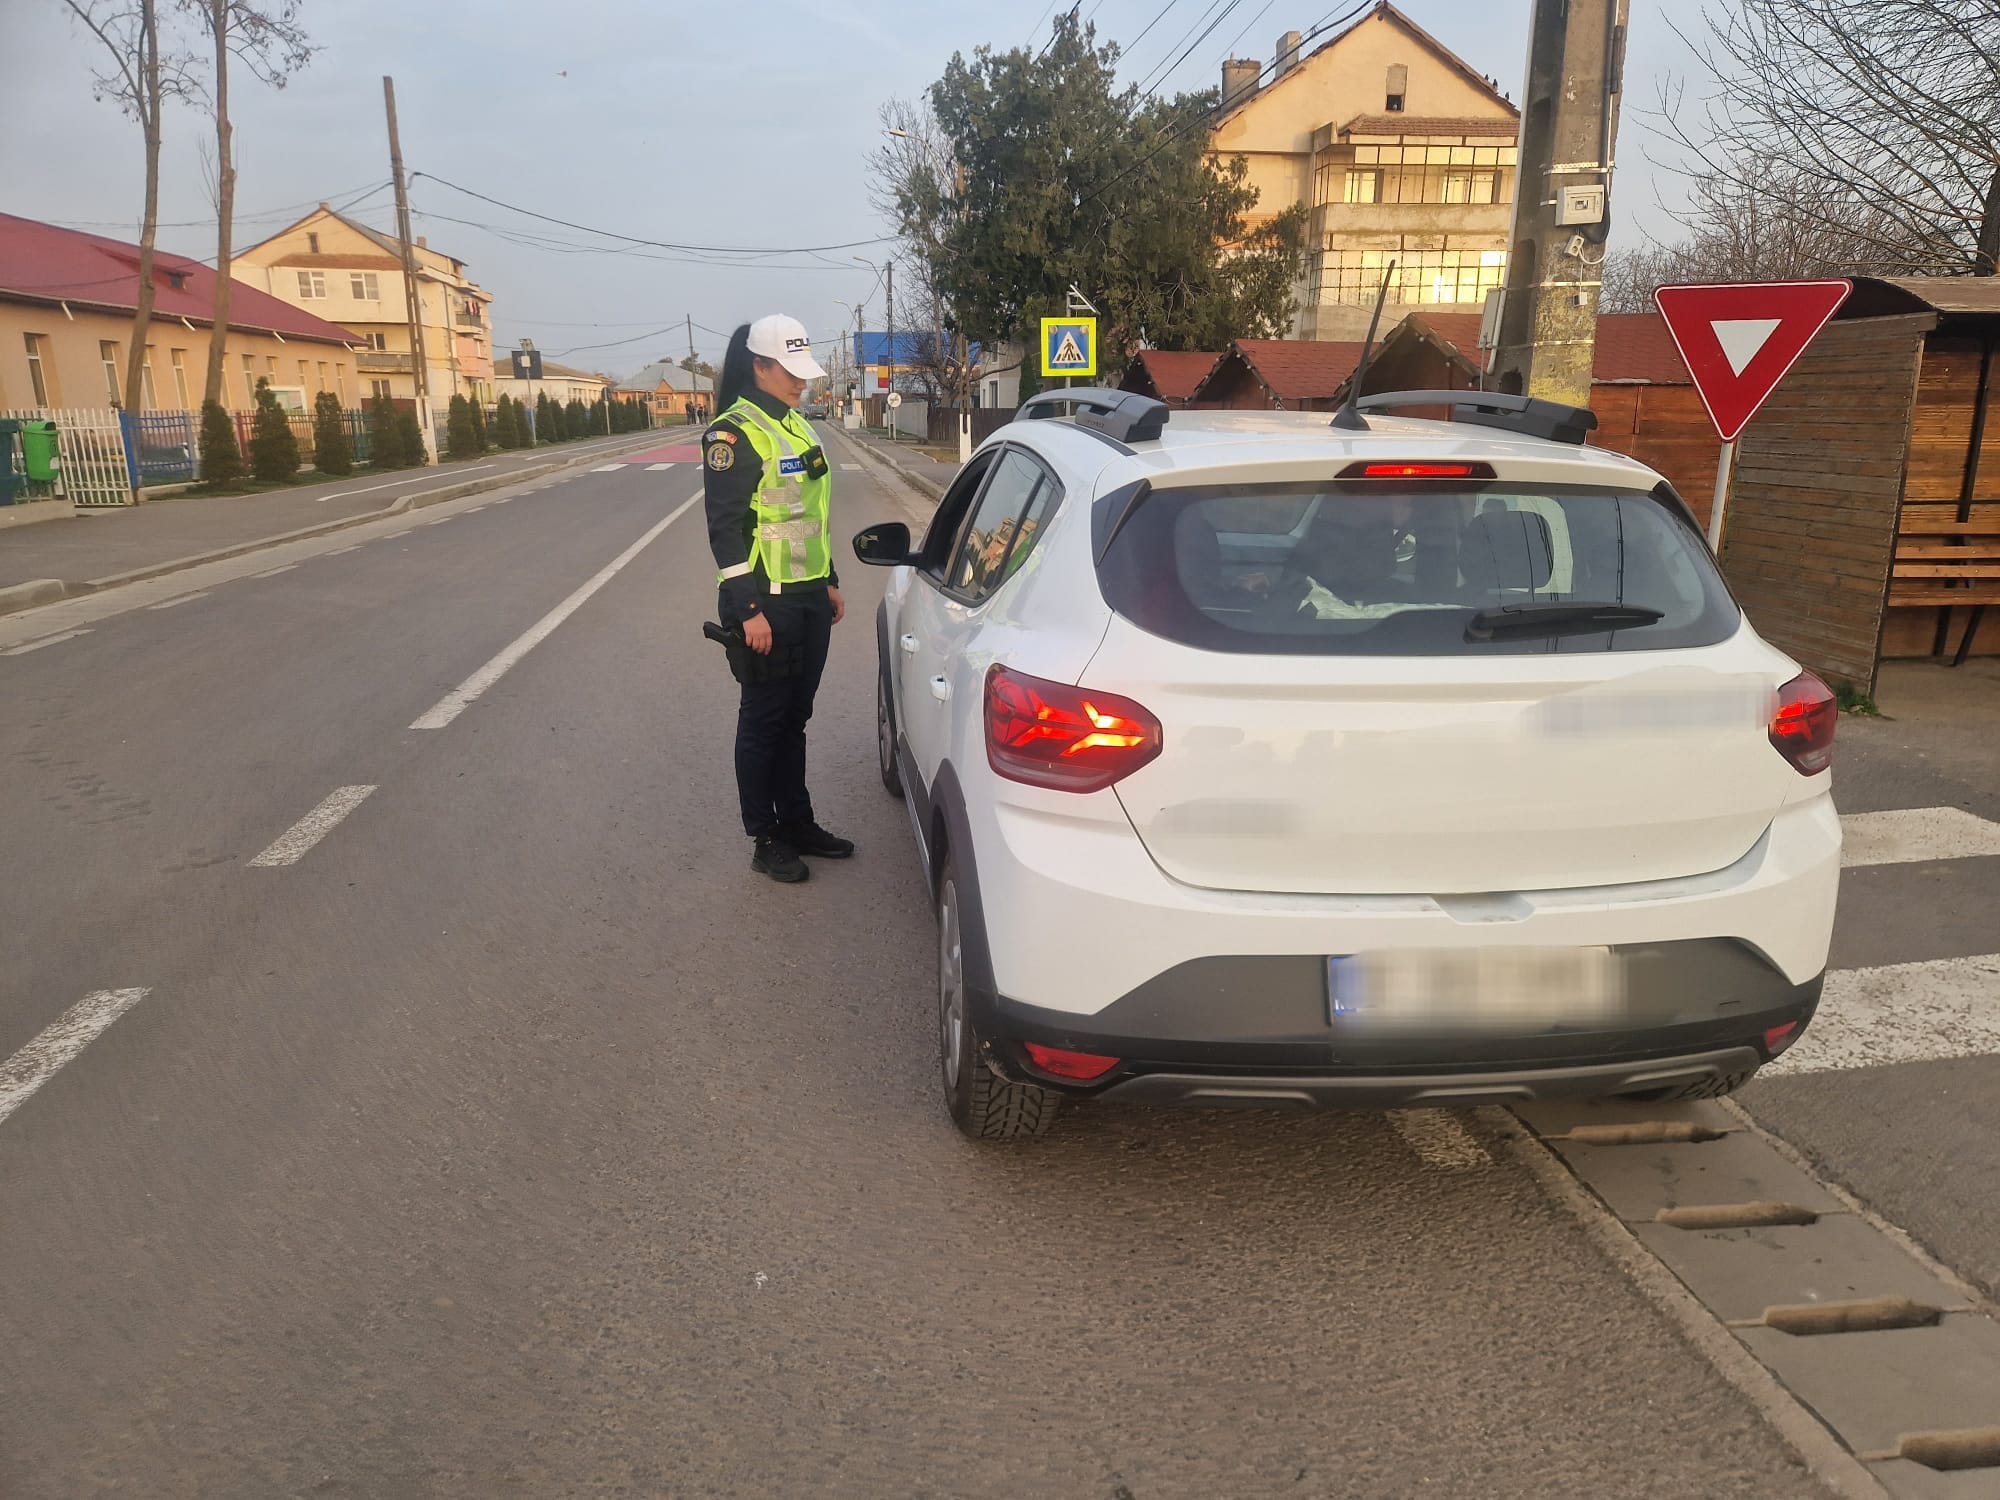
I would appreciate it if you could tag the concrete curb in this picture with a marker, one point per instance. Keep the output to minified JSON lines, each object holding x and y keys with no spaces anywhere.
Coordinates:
{"x":27,"y":595}
{"x":34,"y":512}
{"x":16,"y":597}
{"x":931,"y":489}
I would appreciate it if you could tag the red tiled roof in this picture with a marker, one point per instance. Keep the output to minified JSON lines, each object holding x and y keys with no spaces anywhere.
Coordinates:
{"x":46,"y":263}
{"x":1299,"y":369}
{"x":1175,"y":373}
{"x":1431,"y":125}
{"x":1630,"y":346}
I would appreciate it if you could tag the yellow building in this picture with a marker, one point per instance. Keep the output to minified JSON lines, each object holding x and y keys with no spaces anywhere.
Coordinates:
{"x":347,"y":273}
{"x":1399,"y":150}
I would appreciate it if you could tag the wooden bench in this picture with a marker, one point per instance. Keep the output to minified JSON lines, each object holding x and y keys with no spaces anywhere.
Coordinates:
{"x":1944,"y":560}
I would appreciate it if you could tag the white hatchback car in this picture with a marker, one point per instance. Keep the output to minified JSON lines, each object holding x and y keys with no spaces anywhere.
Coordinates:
{"x":1259,"y":760}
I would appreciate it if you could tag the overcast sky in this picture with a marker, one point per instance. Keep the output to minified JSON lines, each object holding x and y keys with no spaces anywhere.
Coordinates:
{"x":648,"y":118}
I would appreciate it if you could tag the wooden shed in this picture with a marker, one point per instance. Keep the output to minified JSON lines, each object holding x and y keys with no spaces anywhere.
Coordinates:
{"x":1169,"y":375}
{"x":1864,"y":516}
{"x":1279,"y":375}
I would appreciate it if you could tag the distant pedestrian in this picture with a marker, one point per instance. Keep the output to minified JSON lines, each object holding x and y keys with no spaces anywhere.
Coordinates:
{"x":690,"y":411}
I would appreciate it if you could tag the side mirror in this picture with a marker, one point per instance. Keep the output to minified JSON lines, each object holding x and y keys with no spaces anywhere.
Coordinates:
{"x":886,"y":545}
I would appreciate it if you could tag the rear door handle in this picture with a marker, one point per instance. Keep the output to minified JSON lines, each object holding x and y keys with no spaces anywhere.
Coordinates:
{"x":908,"y":643}
{"x":940,"y":689}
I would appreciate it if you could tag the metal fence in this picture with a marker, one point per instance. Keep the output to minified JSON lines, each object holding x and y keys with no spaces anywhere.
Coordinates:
{"x":92,"y":468}
{"x":159,"y":447}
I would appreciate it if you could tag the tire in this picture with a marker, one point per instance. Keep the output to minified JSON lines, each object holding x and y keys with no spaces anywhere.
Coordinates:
{"x":1707,"y":1088}
{"x":885,"y":737}
{"x":983,"y":1105}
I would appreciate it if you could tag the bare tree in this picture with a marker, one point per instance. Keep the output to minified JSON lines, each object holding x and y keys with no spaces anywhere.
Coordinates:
{"x":1878,"y":119}
{"x":917,"y":187}
{"x":269,"y":42}
{"x":141,"y":77}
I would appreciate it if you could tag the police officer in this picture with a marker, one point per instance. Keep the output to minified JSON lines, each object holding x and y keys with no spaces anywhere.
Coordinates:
{"x":766,"y":484}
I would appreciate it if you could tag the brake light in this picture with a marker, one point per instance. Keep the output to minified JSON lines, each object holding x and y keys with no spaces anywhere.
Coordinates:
{"x":1081,"y":1066}
{"x":1417,"y":471}
{"x":1070,"y":739}
{"x":1778,"y":1038}
{"x":1802,"y":727}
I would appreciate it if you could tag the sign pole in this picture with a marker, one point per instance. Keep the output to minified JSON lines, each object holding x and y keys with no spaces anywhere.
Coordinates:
{"x":1724,"y":463}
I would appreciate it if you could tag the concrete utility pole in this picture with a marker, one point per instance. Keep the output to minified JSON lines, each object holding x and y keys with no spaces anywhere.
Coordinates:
{"x":889,"y":354}
{"x":412,"y":295}
{"x":1562,"y":199}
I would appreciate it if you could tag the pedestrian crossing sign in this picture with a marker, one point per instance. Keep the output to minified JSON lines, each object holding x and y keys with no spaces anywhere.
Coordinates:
{"x":1069,"y":346}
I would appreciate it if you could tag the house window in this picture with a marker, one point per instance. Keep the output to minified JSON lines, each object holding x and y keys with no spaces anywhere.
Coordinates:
{"x":1352,"y":277}
{"x":366,"y":286}
{"x":146,"y":378}
{"x":322,"y":375}
{"x":305,"y":379}
{"x":1398,"y":87}
{"x":179,"y":359}
{"x":378,"y":341}
{"x":1364,"y":185}
{"x":1470,"y":187}
{"x":271,"y":367}
{"x":107,"y":351}
{"x":340,"y":383}
{"x":378,"y":388}
{"x":249,"y":380}
{"x":36,"y":377}
{"x":312,"y":285}
{"x":312,"y":243}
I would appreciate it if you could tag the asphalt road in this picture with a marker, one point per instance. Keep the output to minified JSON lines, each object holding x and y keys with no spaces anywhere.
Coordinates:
{"x":516,"y":1139}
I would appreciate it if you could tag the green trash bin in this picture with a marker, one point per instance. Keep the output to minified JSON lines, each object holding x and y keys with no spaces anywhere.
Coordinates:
{"x":38,"y":452}
{"x":10,"y":482}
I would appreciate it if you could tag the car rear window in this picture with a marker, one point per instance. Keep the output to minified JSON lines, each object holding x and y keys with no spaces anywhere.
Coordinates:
{"x":1363,"y":569}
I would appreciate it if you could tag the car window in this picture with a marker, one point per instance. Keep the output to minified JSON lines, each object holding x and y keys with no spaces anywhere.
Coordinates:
{"x":1032,"y":520}
{"x":1360,"y":569}
{"x":980,"y":563}
{"x":949,"y":518}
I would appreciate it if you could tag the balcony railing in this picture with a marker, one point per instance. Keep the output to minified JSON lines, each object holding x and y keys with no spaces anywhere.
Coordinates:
{"x":380,"y":361}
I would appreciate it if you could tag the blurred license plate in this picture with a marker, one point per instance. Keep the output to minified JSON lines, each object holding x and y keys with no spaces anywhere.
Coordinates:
{"x":1499,"y":988}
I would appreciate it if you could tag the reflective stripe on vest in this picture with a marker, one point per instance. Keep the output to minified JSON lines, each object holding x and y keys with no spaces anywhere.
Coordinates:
{"x":789,"y":509}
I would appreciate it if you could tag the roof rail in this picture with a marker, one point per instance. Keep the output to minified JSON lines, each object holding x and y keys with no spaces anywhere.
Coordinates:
{"x":1124,"y":416}
{"x":1527,"y":415}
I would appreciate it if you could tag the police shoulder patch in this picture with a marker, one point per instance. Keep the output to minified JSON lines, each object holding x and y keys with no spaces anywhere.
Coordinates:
{"x":720,"y":455}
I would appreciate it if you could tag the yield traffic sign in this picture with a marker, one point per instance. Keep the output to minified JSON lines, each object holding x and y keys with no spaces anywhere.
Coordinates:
{"x":1739,"y":340}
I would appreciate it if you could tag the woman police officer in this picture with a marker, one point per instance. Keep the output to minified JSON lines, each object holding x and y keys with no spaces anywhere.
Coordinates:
{"x":765,"y":486}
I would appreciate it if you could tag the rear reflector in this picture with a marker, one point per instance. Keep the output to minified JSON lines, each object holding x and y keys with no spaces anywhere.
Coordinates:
{"x":1069,"y":739}
{"x":1802,"y":728}
{"x":1417,"y":471}
{"x":1778,"y":1038}
{"x":1081,"y":1066}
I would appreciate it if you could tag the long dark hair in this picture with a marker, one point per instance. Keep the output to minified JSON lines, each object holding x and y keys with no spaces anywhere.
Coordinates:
{"x":739,"y":372}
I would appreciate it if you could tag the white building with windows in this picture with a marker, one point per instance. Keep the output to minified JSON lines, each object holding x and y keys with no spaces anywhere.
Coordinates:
{"x":1401,"y":153}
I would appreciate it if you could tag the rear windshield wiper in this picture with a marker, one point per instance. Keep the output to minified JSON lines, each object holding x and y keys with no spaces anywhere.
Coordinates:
{"x":1557,"y":617}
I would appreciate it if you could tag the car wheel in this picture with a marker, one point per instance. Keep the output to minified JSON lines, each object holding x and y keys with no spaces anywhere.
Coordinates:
{"x":981,"y":1104}
{"x":885,"y":738}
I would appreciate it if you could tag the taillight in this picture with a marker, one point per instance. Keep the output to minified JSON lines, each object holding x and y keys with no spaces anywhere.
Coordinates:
{"x":1059,"y":1063}
{"x":1070,"y":739}
{"x":1802,"y":727}
{"x":1417,"y":471}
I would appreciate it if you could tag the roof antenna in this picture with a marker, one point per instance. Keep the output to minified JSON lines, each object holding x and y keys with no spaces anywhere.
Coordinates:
{"x":1348,"y":416}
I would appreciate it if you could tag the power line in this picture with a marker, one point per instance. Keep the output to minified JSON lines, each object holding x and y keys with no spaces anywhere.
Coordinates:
{"x":1221,"y":16}
{"x":1247,"y":25}
{"x":1147,"y":83}
{"x":1158,"y":16}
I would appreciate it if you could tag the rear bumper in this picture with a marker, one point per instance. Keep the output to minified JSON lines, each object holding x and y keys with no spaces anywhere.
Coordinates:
{"x":1260,"y":1031}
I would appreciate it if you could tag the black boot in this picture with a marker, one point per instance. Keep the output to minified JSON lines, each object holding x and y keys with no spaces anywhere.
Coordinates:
{"x":810,"y":838}
{"x":776,"y":858}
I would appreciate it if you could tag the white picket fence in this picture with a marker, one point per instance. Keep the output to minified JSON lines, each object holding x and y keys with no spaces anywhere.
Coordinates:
{"x":90,"y":455}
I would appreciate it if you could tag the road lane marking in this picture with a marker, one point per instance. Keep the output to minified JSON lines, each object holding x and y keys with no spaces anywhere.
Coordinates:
{"x":390,"y":484}
{"x":607,"y":468}
{"x":274,"y":572}
{"x":1439,"y":1139}
{"x":439,"y":521}
{"x":1910,"y":834}
{"x":58,"y":1042}
{"x":47,"y":640}
{"x":342,"y":552}
{"x":453,"y":703}
{"x":853,"y":467}
{"x":184,"y":599}
{"x":1918,"y":1012}
{"x":657,"y":468}
{"x":314,"y":826}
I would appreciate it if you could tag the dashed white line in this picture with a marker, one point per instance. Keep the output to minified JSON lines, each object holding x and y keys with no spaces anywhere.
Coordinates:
{"x":390,"y":484}
{"x":657,"y":468}
{"x":453,"y":703}
{"x":47,"y":640}
{"x":184,"y":599}
{"x":1910,"y":834}
{"x":1439,"y":1139}
{"x":1920,"y":1012}
{"x":274,"y":572}
{"x":313,"y":827}
{"x":58,"y":1042}
{"x":439,"y":521}
{"x":343,"y":551}
{"x":607,"y":468}
{"x":851,"y":467}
